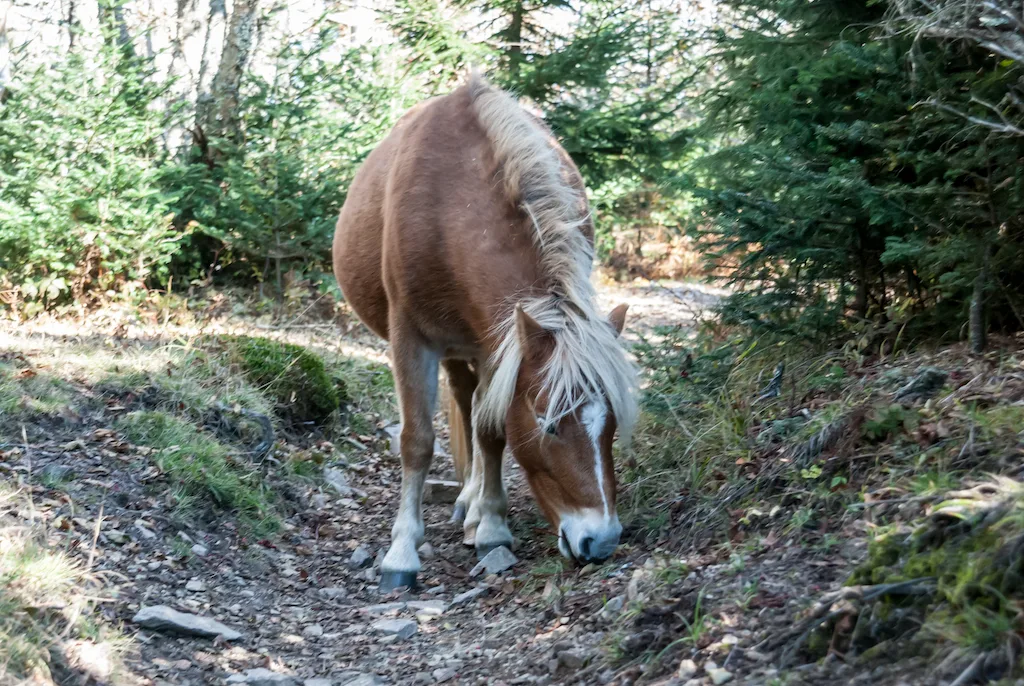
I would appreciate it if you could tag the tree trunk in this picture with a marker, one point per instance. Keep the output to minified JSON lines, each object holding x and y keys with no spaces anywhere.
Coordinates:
{"x":5,"y":59}
{"x":978,"y":329}
{"x":222,"y":116}
{"x":213,"y":42}
{"x":514,"y":38}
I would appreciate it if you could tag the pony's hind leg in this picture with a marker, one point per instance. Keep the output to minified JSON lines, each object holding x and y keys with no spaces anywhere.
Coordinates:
{"x":415,"y":367}
{"x":462,"y":381}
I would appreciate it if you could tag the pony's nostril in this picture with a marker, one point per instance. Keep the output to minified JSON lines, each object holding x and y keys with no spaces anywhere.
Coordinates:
{"x":585,"y":547}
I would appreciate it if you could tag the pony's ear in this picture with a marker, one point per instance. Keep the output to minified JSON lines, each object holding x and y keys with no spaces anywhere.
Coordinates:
{"x":617,"y":318}
{"x":533,"y":338}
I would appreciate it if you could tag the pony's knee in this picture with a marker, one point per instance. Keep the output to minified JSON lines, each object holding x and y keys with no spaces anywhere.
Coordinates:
{"x":417,"y":446}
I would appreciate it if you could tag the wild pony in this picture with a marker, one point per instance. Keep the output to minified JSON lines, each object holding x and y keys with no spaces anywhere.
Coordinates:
{"x":466,"y":242}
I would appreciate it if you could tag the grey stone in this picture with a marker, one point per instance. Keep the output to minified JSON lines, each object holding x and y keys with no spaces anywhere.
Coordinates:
{"x":144,"y":530}
{"x":313,"y":631}
{"x":393,"y":432}
{"x":318,"y":682}
{"x":402,"y":628}
{"x":719,"y":676}
{"x":469,"y":595}
{"x":163,"y":618}
{"x":333,"y":592}
{"x":94,"y":659}
{"x":337,"y":480}
{"x":262,"y":677}
{"x":441,"y":492}
{"x":429,"y":607}
{"x":443,"y":674}
{"x":613,"y":607}
{"x":687,"y":668}
{"x":361,"y":558}
{"x":195,"y":585}
{"x":55,"y":473}
{"x":365,"y":680}
{"x":573,"y":659}
{"x":115,"y":536}
{"x":200,"y":550}
{"x":494,"y":562}
{"x":382,"y":608}
{"x":426,"y":551}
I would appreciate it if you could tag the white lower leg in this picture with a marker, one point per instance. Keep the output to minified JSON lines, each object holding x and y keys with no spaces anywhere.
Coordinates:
{"x":492,"y":504}
{"x":407,"y":532}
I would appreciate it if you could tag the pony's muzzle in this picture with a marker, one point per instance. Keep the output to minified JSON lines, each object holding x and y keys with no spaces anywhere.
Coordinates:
{"x":589,"y":536}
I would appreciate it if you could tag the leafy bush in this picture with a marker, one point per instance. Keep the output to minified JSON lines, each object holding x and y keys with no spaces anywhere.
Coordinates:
{"x":83,"y":205}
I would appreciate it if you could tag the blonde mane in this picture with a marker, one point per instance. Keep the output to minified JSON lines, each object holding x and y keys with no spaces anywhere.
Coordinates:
{"x":588,"y":364}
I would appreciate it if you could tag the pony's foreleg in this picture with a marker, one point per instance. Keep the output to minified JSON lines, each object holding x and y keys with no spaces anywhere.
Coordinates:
{"x":415,"y":368}
{"x":491,"y":503}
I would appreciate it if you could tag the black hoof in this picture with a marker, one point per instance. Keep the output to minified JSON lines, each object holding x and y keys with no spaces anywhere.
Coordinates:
{"x":389,"y":581}
{"x":458,"y":514}
{"x":482,"y":550}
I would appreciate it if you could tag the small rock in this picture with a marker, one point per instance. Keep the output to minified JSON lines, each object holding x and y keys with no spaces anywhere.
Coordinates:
{"x":262,"y":677}
{"x":402,"y":628}
{"x":438,"y":492}
{"x":469,"y":595}
{"x":393,"y":432}
{"x":200,"y":550}
{"x":613,"y":607}
{"x":426,"y":551}
{"x":687,"y":668}
{"x":429,"y":607}
{"x":718,"y":676}
{"x":195,"y":585}
{"x":694,"y":682}
{"x":313,"y":631}
{"x":436,"y":590}
{"x":93,"y":659}
{"x":361,"y":558}
{"x":382,"y":608}
{"x":365,"y":680}
{"x":494,"y":562}
{"x":318,"y":501}
{"x":729,"y":640}
{"x":573,"y":659}
{"x":55,"y":473}
{"x":144,"y":530}
{"x":337,"y":480}
{"x":116,"y":537}
{"x":333,"y":592}
{"x":163,"y":618}
{"x":318,"y":682}
{"x":443,"y":674}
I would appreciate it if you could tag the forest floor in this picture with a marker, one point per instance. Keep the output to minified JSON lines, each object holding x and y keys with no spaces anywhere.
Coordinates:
{"x":107,"y":506}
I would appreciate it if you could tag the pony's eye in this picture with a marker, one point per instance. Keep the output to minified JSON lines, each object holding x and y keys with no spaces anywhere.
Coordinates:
{"x":550,"y":428}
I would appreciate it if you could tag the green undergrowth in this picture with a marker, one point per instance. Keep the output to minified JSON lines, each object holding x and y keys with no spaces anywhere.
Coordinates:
{"x":45,"y":602}
{"x":201,"y":470}
{"x":734,"y":428}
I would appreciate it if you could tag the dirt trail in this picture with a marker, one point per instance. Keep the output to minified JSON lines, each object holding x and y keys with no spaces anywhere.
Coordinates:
{"x":305,"y":607}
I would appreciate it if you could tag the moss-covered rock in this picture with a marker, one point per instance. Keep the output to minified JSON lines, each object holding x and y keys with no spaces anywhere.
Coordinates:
{"x":294,"y":377}
{"x":972,"y":545}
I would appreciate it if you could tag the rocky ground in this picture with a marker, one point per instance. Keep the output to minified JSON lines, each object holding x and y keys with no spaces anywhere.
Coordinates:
{"x":301,"y":606}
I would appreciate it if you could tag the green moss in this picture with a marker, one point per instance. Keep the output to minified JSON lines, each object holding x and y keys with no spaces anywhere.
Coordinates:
{"x":971,"y":545}
{"x":294,"y":377}
{"x":201,"y":468}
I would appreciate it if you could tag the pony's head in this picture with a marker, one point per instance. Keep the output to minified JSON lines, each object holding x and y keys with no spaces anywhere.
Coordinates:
{"x":560,"y":426}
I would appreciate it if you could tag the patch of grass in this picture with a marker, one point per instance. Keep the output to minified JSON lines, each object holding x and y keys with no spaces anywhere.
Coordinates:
{"x":201,"y":469}
{"x":44,"y":598}
{"x":24,"y":391}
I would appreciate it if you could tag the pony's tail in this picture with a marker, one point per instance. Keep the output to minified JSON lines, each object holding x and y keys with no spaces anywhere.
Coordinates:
{"x":458,"y":437}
